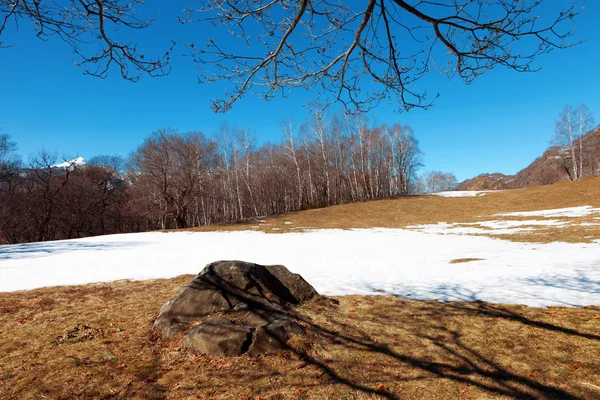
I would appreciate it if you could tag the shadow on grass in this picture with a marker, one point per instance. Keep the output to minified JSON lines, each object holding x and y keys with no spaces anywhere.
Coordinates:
{"x":460,"y":362}
{"x":459,"y":295}
{"x":474,"y":369}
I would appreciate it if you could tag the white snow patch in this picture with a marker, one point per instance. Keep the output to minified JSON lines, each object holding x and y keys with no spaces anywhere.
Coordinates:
{"x":287,"y":223}
{"x":336,"y":262}
{"x":581,"y":211}
{"x":71,"y":163}
{"x":464,"y":193}
{"x":444,"y":228}
{"x":510,"y":224}
{"x":496,"y":227}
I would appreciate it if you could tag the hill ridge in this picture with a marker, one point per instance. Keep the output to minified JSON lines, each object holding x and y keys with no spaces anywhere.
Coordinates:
{"x":551,"y":167}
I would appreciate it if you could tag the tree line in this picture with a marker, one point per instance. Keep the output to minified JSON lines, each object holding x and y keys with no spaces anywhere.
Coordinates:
{"x":186,"y":179}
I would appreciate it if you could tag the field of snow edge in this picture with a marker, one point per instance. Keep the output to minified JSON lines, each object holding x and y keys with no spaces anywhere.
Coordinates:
{"x":406,"y":263}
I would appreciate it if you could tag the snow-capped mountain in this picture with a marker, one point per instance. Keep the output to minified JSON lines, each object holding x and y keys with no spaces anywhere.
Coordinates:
{"x":72,"y":163}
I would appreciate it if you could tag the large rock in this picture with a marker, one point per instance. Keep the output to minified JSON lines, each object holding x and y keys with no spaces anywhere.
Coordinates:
{"x":248,"y":297}
{"x":218,"y":336}
{"x":273,"y":337}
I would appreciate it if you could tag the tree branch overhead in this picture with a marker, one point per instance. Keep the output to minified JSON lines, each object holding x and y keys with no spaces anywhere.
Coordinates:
{"x":358,"y":54}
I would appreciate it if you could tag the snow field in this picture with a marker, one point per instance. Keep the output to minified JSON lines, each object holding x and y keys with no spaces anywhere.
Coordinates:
{"x":573,"y":212}
{"x":406,"y":263}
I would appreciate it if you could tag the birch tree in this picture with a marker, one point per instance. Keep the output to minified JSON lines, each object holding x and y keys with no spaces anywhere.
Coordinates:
{"x":585,"y":123}
{"x":290,"y":145}
{"x":570,"y":130}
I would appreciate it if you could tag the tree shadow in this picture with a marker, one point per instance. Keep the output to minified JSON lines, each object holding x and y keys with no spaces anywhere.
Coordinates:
{"x":461,"y":363}
{"x":579,"y":283}
{"x":474,"y":368}
{"x":460,"y":295}
{"x":491,"y":310}
{"x":41,"y":249}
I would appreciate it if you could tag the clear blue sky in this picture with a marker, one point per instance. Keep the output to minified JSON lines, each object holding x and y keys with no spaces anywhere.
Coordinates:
{"x":500,"y":123}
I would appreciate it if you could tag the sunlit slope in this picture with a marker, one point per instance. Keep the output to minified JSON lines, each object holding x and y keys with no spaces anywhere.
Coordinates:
{"x":417,"y":210}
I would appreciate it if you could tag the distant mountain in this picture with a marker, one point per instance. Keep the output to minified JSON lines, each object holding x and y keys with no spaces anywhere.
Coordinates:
{"x":552,"y":166}
{"x":70,"y":163}
{"x":486,"y":182}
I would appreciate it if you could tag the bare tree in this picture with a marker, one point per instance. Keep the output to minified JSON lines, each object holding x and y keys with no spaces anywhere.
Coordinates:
{"x":290,"y":147}
{"x":438,"y":181}
{"x":106,"y":174}
{"x":9,"y":160}
{"x":585,"y":123}
{"x":113,"y":163}
{"x":49,"y":181}
{"x":406,"y":154}
{"x":565,"y":135}
{"x":336,"y":47}
{"x":318,"y":128}
{"x":173,"y":165}
{"x":245,"y":140}
{"x":571,"y":127}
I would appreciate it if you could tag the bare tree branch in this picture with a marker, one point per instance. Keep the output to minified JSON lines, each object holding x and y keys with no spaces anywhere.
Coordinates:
{"x":91,"y":29}
{"x":362,"y":56}
{"x":353,"y":53}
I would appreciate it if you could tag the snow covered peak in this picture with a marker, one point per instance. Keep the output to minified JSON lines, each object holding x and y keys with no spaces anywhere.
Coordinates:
{"x":67,"y":164}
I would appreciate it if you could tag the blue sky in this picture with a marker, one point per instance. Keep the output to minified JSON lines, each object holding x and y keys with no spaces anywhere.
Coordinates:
{"x":499,"y":123}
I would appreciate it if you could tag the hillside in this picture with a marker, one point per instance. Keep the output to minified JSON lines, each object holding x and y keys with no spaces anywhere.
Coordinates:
{"x":550,"y":167}
{"x":418,"y":210}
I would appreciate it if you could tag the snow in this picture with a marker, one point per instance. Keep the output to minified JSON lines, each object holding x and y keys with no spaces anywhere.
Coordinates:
{"x":337,"y":262}
{"x":68,"y":164}
{"x":485,"y":227}
{"x":572,"y":212}
{"x":443,"y":228}
{"x":528,"y":222}
{"x":464,"y":193}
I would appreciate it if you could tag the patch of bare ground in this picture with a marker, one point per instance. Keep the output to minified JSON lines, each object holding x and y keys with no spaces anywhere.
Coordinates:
{"x":464,"y":260}
{"x":418,"y":210}
{"x":97,"y":341}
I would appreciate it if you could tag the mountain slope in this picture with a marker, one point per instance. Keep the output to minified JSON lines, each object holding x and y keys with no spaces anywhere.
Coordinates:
{"x":551,"y":167}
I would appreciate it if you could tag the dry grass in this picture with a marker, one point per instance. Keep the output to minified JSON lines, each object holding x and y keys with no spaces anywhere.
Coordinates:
{"x":415,"y":210}
{"x":97,"y":341}
{"x":464,"y":260}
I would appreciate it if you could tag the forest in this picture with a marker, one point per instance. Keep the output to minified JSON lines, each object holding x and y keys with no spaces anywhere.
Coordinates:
{"x":177,"y":180}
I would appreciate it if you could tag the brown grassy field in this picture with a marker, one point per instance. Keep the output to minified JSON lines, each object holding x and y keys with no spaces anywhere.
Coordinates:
{"x":97,"y":341}
{"x":415,"y":210}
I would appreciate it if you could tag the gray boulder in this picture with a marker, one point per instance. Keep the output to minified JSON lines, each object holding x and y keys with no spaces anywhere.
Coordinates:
{"x":218,"y":336}
{"x":232,"y":298}
{"x":273,"y":337}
